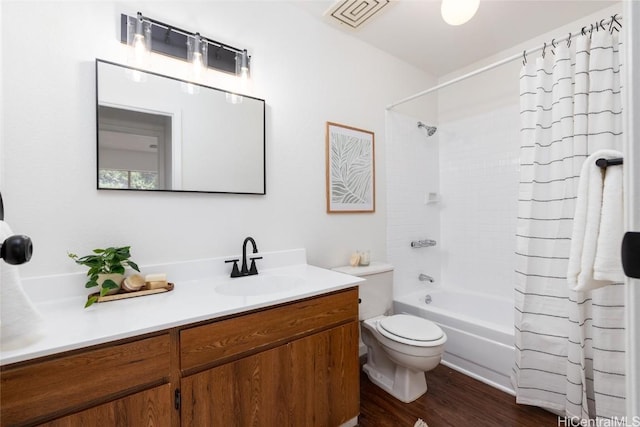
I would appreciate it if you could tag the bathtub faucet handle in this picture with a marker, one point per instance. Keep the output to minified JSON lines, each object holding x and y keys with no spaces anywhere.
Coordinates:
{"x":425,"y":278}
{"x":423,"y":243}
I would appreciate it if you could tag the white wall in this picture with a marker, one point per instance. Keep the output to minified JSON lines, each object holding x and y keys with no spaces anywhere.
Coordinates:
{"x":308,"y":73}
{"x":479,"y":169}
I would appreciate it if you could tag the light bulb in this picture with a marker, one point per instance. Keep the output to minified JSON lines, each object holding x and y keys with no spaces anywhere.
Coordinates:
{"x":244,"y":73}
{"x":197,"y":64}
{"x":457,"y":12}
{"x":139,"y":40}
{"x":242,"y":66}
{"x":139,"y":49}
{"x":197,"y":55}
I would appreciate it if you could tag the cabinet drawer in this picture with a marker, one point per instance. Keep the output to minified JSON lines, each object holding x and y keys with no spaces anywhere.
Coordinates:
{"x":43,"y":389}
{"x":205,"y":345}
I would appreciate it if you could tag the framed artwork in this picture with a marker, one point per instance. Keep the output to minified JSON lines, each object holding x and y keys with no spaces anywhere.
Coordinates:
{"x":350,"y":169}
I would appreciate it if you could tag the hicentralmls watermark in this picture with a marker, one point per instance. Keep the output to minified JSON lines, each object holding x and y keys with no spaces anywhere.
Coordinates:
{"x":601,"y":422}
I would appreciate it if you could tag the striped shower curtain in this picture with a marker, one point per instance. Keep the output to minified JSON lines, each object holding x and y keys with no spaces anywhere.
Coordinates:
{"x":570,"y":346}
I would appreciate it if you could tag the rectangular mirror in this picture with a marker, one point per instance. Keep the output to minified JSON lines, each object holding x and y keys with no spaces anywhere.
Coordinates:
{"x":159,"y":133}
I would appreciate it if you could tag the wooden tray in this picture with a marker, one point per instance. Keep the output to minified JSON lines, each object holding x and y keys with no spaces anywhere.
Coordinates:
{"x":124,"y":295}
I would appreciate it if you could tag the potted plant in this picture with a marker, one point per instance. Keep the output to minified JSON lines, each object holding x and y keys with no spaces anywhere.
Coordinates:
{"x":106,"y":269}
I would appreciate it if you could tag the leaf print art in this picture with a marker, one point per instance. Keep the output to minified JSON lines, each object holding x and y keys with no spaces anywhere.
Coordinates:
{"x":350,"y":174}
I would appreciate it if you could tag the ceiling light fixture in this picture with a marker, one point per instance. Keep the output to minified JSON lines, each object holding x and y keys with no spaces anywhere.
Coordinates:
{"x":457,"y":12}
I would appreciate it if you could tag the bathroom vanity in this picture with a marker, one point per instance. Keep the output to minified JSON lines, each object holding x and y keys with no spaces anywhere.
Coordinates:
{"x":283,"y":358}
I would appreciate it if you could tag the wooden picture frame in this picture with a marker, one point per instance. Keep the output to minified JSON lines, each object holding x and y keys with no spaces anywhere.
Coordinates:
{"x":350,"y":157}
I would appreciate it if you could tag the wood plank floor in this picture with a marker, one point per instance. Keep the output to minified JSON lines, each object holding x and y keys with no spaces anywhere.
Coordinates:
{"x":453,"y":399}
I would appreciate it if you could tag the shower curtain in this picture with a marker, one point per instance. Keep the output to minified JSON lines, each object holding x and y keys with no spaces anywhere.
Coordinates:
{"x":570,"y":346}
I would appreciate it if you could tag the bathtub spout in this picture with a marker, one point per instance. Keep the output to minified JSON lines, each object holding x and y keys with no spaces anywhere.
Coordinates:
{"x":425,"y":278}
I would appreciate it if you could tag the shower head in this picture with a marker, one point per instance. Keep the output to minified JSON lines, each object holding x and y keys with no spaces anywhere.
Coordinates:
{"x":430,"y":129}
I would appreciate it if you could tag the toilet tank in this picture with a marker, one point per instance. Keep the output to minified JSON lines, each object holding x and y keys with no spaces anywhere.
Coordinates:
{"x":376,"y":294}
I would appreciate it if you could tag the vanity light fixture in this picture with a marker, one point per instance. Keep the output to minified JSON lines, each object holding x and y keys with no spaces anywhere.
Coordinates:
{"x":457,"y":12}
{"x":139,"y":38}
{"x":242,"y":70}
{"x":242,"y":64}
{"x":199,"y":51}
{"x":197,"y":55}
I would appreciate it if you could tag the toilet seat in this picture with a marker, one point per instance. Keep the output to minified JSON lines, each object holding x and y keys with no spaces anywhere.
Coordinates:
{"x":411,"y":330}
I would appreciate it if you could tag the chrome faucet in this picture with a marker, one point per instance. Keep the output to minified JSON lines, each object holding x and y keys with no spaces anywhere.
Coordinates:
{"x":425,"y":278}
{"x":245,"y":271}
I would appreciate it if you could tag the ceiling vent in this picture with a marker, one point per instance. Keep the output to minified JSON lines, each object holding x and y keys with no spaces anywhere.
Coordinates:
{"x":354,"y":13}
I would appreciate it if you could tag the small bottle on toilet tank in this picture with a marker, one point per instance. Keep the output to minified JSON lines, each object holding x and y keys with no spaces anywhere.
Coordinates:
{"x":365,"y":258}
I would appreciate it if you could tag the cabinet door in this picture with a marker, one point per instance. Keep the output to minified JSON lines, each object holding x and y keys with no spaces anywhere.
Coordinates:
{"x":74,"y":381}
{"x":147,"y":408}
{"x":325,"y":377}
{"x":252,"y":391}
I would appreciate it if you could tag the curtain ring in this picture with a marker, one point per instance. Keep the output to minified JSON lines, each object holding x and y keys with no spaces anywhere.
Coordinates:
{"x":553,"y":43}
{"x":615,"y":19}
{"x":569,"y":41}
{"x":544,"y":48}
{"x":611,"y":24}
{"x":524,"y":57}
{"x":583,"y":33}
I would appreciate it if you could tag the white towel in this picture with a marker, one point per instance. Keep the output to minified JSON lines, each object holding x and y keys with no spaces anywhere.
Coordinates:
{"x":608,"y":263}
{"x":587,"y":236}
{"x":20,"y":323}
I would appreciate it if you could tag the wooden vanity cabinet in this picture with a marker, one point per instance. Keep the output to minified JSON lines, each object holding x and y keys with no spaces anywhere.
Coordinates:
{"x":292,"y":365}
{"x":289,"y":365}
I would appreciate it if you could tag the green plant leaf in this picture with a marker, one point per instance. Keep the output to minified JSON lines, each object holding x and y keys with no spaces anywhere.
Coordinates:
{"x":133,"y":265}
{"x":110,"y":284}
{"x":91,"y":301}
{"x":91,"y":284}
{"x":98,"y":251}
{"x":117,"y":269}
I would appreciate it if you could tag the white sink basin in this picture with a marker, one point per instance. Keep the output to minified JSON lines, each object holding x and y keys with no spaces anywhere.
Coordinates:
{"x":259,"y":285}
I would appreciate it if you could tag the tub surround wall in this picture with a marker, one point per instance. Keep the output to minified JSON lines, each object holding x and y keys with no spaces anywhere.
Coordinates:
{"x":304,"y":69}
{"x":412,"y":173}
{"x":479,"y":174}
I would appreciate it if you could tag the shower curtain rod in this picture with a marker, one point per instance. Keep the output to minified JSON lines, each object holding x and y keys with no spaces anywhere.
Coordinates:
{"x":601,"y":23}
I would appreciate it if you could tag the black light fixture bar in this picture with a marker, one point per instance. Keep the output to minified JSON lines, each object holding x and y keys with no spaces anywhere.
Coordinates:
{"x":172,"y":41}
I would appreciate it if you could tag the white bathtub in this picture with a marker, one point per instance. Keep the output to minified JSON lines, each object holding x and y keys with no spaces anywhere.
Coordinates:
{"x":479,"y":328}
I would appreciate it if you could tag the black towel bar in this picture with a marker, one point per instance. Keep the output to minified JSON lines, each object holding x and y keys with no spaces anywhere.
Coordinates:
{"x":603,"y":163}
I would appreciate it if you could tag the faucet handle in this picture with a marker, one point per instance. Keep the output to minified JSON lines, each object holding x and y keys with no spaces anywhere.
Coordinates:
{"x":234,"y":271}
{"x":253,"y":269}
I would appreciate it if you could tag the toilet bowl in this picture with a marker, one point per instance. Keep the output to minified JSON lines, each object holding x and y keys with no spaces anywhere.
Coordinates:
{"x":400,"y":349}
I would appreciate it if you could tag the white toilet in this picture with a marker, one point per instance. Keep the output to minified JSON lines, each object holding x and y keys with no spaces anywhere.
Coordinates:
{"x":400,"y":347}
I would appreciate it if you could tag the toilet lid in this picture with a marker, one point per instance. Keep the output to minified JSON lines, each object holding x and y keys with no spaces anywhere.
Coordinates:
{"x":411,"y":328}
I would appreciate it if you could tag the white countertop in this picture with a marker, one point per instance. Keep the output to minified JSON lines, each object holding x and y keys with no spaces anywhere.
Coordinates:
{"x":69,"y":326}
